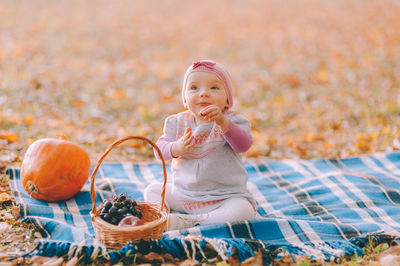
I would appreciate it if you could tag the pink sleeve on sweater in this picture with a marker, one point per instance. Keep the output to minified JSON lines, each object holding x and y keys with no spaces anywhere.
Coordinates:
{"x":164,"y":144}
{"x":239,"y":139}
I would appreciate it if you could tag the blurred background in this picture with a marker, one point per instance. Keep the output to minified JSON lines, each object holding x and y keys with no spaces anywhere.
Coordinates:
{"x":316,"y":78}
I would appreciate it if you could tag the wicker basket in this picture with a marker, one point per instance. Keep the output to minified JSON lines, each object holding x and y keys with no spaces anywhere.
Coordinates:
{"x":154,"y":215}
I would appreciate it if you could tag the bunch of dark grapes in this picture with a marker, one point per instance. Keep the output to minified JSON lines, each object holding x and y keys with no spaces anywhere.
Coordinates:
{"x":117,"y":208}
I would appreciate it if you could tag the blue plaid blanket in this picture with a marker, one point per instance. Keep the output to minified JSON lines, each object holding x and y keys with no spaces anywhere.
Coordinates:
{"x":320,"y":208}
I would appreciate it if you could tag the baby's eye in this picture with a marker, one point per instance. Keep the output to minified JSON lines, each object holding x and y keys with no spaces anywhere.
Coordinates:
{"x":193,"y":87}
{"x":214,"y":88}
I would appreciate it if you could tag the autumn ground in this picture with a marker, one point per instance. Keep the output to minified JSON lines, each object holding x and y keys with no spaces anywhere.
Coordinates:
{"x":315,"y":78}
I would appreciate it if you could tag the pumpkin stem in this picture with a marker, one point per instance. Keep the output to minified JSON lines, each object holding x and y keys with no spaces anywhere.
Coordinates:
{"x":32,"y":188}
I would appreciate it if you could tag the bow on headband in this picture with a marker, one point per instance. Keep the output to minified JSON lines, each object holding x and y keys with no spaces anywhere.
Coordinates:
{"x":209,"y":65}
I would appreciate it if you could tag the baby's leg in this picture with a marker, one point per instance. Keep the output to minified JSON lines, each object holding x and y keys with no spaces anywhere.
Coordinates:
{"x":232,"y":210}
{"x":152,"y":193}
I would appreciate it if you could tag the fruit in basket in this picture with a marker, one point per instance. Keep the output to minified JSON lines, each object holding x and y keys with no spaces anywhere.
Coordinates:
{"x":117,"y":208}
{"x":130,"y":220}
{"x":54,"y":169}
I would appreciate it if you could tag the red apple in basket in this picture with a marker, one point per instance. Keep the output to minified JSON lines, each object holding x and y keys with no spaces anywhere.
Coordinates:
{"x":131,"y":220}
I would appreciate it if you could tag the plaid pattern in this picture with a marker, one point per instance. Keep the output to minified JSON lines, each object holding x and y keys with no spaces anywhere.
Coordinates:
{"x":318,"y":208}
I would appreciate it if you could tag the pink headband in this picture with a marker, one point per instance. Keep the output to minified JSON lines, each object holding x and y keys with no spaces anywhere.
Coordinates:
{"x":213,"y":67}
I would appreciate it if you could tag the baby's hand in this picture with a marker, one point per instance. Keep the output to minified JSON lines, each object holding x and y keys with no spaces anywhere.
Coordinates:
{"x":182,"y":145}
{"x":213,"y":113}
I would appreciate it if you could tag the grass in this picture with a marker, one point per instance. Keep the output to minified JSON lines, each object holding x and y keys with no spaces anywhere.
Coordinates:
{"x":317,"y":79}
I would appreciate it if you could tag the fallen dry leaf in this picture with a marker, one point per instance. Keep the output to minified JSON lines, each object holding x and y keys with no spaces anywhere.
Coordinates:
{"x":4,"y":227}
{"x":9,"y":136}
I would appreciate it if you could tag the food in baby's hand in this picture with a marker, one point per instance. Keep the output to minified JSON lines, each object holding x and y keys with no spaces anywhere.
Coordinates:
{"x":130,"y":220}
{"x":117,"y":208}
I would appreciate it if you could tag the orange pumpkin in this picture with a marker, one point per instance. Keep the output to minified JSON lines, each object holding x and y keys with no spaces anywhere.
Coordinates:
{"x":54,"y":169}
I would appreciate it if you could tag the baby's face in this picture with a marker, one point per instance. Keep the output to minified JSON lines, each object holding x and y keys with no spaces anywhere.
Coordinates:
{"x":203,"y":89}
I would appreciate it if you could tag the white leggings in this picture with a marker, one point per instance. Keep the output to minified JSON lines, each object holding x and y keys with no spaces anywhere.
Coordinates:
{"x":231,"y":210}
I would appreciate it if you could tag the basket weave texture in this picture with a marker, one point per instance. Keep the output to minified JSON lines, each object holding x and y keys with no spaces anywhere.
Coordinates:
{"x":154,"y":215}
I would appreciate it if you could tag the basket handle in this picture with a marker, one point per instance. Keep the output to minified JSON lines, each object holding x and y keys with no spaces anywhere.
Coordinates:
{"x":113,"y":145}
